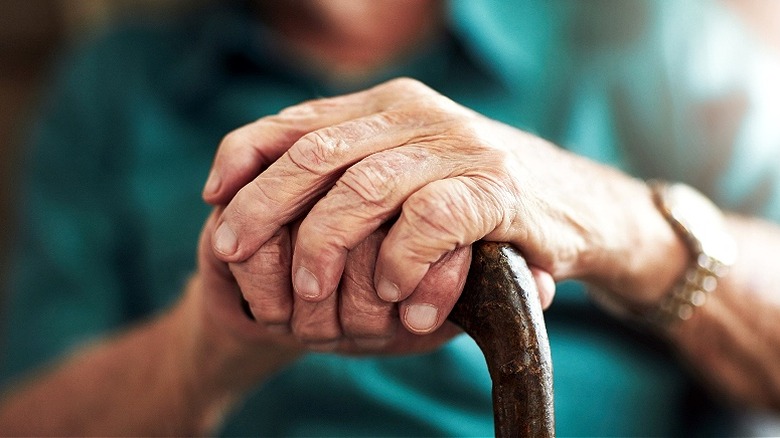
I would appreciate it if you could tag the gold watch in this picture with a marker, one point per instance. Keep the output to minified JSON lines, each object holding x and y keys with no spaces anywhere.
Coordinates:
{"x":713,"y":250}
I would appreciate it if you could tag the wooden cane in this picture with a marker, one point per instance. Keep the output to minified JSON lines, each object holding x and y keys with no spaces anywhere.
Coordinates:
{"x":500,"y":309}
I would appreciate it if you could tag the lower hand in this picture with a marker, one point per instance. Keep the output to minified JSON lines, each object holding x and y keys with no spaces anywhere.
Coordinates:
{"x":281,"y":325}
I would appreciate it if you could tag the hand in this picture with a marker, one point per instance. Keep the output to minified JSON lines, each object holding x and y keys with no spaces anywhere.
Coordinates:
{"x":231,"y":346}
{"x":451,"y":177}
{"x":354,"y":321}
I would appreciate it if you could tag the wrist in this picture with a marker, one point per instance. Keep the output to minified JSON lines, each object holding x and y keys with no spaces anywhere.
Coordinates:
{"x":646,"y":256}
{"x":701,"y":225}
{"x":708,"y":252}
{"x":216,"y":367}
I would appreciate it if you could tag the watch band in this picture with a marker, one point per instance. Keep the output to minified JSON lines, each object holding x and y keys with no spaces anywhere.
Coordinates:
{"x":701,"y":226}
{"x":712,"y":249}
{"x":689,"y":293}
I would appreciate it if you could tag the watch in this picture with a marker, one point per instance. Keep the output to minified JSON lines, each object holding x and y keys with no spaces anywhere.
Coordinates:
{"x":713,"y":250}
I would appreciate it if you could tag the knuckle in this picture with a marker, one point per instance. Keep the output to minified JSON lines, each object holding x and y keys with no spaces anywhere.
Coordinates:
{"x":233,"y":139}
{"x":269,"y":312}
{"x":412,"y":94}
{"x":373,"y":181}
{"x":275,"y":255}
{"x":305,"y":109}
{"x":256,"y":194}
{"x":311,"y":325}
{"x":245,"y":137}
{"x":310,"y":109}
{"x":285,"y":129}
{"x":251,"y":202}
{"x":475,"y":136}
{"x":493,"y":198}
{"x":361,"y":317}
{"x":406,"y":84}
{"x":433,"y":214}
{"x":317,"y":152}
{"x":238,"y":212}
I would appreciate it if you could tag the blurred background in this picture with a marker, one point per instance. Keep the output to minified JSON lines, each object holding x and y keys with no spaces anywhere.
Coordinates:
{"x":29,"y":31}
{"x":32,"y":33}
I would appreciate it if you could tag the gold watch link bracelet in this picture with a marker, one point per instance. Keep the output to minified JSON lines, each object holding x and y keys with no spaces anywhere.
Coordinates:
{"x":702,"y":227}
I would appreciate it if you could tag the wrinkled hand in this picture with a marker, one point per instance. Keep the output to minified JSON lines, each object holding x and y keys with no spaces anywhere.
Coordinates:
{"x":354,"y":321}
{"x":447,"y":175}
{"x":219,"y":296}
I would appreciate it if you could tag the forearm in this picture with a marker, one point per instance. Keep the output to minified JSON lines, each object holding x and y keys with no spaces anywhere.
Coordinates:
{"x":124,"y":386}
{"x":155,"y":379}
{"x":734,"y":339}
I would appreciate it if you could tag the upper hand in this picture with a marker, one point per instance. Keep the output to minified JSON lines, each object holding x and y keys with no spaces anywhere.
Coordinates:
{"x":449,"y":175}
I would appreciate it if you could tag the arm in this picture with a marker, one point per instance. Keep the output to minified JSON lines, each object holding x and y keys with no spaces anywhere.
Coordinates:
{"x":744,"y":317}
{"x":161,"y":378}
{"x":151,"y":380}
{"x":732,"y":340}
{"x":727,"y":146}
{"x":177,"y":374}
{"x":181,"y":372}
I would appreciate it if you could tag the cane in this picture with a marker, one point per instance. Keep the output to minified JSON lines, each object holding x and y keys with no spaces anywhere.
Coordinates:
{"x":500,"y":309}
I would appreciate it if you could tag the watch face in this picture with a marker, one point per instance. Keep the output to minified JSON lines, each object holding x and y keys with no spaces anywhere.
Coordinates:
{"x":701,"y":221}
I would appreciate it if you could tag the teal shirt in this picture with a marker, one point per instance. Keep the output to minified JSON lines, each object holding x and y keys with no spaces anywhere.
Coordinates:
{"x":112,"y":208}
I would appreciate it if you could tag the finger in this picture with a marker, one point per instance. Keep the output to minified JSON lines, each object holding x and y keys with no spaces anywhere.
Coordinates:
{"x":290,"y":185}
{"x":244,"y":152}
{"x":427,"y":308}
{"x":367,"y":195}
{"x":312,"y":164}
{"x":316,"y":325}
{"x":372,"y":190}
{"x":439,"y":218}
{"x":216,"y":271}
{"x":265,"y":282}
{"x":545,"y":285}
{"x":222,"y":293}
{"x":366,"y":320}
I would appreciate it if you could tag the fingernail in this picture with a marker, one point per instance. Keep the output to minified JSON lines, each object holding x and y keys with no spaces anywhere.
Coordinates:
{"x":421,"y":317}
{"x":387,"y":290}
{"x":225,"y":241}
{"x":306,"y":284}
{"x":212,"y":183}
